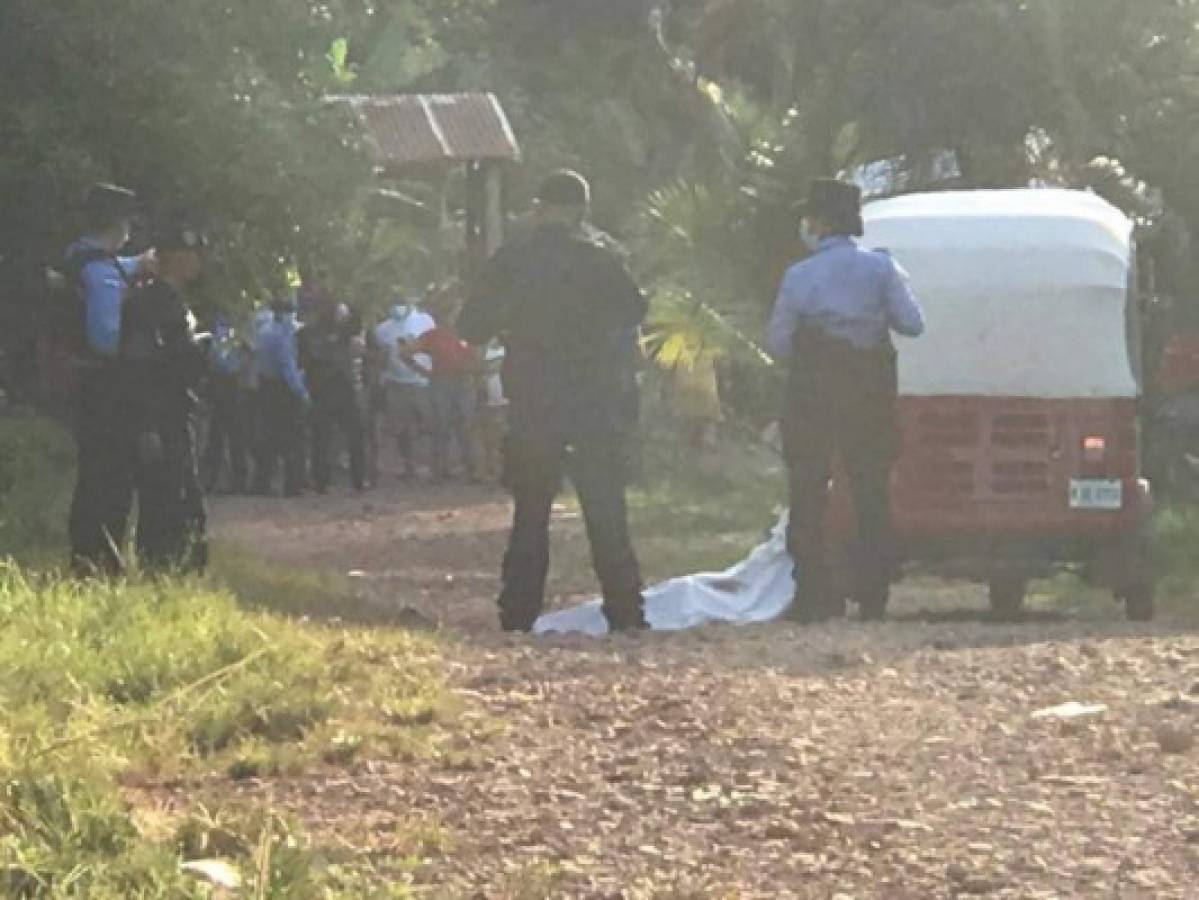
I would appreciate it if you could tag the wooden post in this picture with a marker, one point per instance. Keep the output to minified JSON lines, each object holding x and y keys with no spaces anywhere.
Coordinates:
{"x":476,"y":220}
{"x":493,"y":221}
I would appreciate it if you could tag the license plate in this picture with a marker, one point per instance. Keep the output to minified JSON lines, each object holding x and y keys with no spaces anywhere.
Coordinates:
{"x":1090,"y":494}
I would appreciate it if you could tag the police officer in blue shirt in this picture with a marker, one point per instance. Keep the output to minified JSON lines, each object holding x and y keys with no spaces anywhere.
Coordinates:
{"x":228,"y":360}
{"x":100,"y":279}
{"x":832,"y":326}
{"x":283,"y":403}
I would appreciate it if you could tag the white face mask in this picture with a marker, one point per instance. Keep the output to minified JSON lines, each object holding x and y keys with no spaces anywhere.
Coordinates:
{"x":810,"y":239}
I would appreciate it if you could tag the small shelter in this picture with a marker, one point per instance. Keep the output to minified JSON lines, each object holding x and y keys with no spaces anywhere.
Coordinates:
{"x":410,"y":130}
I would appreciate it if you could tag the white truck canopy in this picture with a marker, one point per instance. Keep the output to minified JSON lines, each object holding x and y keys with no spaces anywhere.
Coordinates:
{"x":1026,"y":292}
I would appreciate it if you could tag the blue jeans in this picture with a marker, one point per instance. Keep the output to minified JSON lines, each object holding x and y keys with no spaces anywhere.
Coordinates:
{"x":453,"y":415}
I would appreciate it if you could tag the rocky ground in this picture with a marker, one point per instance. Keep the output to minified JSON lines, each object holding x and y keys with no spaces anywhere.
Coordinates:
{"x":920,"y":758}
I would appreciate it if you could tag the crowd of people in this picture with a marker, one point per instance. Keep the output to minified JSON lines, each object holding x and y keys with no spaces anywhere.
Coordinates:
{"x":306,"y":388}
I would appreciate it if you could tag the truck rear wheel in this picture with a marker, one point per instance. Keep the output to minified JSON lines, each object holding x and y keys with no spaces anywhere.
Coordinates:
{"x":1007,"y":595}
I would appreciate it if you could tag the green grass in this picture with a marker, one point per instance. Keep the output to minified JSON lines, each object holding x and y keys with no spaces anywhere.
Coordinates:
{"x":1176,"y":557}
{"x":100,"y":681}
{"x":108,"y":684}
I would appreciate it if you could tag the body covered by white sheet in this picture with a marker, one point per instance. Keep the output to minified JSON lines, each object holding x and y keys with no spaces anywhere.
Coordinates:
{"x":757,"y":589}
{"x":1026,"y":292}
{"x":1025,"y":295}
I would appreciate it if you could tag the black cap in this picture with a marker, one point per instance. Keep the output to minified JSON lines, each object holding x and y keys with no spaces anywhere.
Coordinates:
{"x":837,"y":203}
{"x":107,"y":203}
{"x":179,"y":235}
{"x":565,"y":188}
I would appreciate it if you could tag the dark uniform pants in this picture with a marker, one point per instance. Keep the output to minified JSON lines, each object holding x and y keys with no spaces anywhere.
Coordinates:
{"x":104,"y":481}
{"x":841,"y":402}
{"x":227,"y":440}
{"x":280,"y":436}
{"x":171,"y":519}
{"x":335,"y":407}
{"x":597,"y":467}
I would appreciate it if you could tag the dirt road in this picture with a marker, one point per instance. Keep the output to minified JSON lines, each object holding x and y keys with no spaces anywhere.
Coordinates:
{"x":897,"y":761}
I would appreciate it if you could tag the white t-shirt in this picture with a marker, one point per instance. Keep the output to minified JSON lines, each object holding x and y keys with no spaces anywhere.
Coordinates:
{"x":408,"y":327}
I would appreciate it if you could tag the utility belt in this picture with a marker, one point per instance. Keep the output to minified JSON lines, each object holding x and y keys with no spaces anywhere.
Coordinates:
{"x":821,"y":361}
{"x":842,"y":392}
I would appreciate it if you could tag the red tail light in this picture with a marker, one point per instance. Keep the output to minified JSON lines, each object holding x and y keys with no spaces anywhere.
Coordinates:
{"x":1094,"y":450}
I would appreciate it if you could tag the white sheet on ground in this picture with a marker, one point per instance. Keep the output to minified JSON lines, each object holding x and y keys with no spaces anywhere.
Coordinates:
{"x":757,"y":589}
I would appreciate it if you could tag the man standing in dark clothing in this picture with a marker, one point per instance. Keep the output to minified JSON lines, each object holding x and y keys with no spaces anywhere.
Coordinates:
{"x":228,"y":359}
{"x":565,"y":307}
{"x":161,"y":368}
{"x":327,"y":357}
{"x":832,"y":325}
{"x":88,"y":331}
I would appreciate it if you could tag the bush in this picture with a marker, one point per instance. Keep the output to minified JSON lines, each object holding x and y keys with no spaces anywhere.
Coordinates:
{"x":37,"y":460}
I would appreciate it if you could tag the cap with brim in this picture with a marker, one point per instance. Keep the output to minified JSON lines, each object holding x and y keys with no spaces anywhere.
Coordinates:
{"x":110,"y":200}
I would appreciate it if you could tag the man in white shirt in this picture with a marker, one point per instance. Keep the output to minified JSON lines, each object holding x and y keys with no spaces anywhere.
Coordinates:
{"x":407,"y":411}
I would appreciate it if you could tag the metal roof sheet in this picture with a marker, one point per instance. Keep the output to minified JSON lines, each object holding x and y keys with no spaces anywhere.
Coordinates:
{"x":415,"y":128}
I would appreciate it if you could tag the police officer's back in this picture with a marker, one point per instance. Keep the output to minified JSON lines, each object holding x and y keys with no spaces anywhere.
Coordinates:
{"x":228,"y":363}
{"x":567,"y":310}
{"x":97,"y":282}
{"x":832,"y":326}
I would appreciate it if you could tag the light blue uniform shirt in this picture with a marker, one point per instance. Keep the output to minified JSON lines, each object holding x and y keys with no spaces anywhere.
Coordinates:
{"x":104,"y":289}
{"x":276,"y":355}
{"x":851,"y":293}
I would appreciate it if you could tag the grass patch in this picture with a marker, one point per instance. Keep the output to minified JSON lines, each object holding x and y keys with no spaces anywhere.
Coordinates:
{"x":293,"y":592}
{"x":102,"y":681}
{"x":105,"y":684}
{"x":1175,"y":546}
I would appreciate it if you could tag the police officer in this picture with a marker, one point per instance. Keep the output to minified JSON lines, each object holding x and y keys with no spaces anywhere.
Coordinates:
{"x":100,"y":280}
{"x":566,"y":309}
{"x":283,"y":402}
{"x":162,"y":368}
{"x":328,"y":355}
{"x":832,"y":325}
{"x":227,"y":364}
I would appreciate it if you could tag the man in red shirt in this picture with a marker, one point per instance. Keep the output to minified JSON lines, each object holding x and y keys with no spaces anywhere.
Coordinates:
{"x":451,"y":385}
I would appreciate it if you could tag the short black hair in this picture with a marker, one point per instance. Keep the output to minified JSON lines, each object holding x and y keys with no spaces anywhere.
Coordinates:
{"x":565,"y":188}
